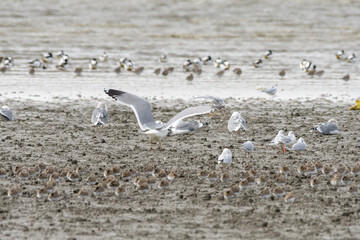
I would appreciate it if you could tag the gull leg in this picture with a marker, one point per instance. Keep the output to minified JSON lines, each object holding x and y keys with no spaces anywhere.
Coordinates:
{"x":160,"y":145}
{"x":150,"y":144}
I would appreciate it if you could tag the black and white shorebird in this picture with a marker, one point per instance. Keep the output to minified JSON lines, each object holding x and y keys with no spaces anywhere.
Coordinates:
{"x":351,"y":58}
{"x":47,"y":57}
{"x":258,"y":63}
{"x":7,"y":63}
{"x":163,"y":58}
{"x":156,"y":130}
{"x":35,"y":64}
{"x":268,"y":54}
{"x":93,"y":64}
{"x":104,"y":57}
{"x":341,"y":55}
{"x":206,"y":60}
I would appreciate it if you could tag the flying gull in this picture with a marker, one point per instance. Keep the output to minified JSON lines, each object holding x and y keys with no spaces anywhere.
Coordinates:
{"x":142,"y":109}
{"x":6,"y":114}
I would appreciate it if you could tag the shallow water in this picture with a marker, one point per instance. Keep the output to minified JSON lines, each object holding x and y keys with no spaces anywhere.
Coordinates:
{"x":143,"y":30}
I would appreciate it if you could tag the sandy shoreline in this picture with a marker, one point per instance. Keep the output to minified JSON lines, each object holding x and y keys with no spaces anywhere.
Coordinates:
{"x":60,"y":134}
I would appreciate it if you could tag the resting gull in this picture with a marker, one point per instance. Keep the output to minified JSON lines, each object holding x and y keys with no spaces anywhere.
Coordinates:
{"x":186,"y":127}
{"x":299,"y":146}
{"x":144,"y":116}
{"x":248,"y":147}
{"x":271,"y":90}
{"x":236,"y":122}
{"x":225,"y":158}
{"x":329,"y":128}
{"x":100,"y":115}
{"x":6,"y":114}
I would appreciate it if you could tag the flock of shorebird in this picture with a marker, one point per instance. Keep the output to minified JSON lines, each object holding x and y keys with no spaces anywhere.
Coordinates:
{"x":156,"y":130}
{"x":193,"y":66}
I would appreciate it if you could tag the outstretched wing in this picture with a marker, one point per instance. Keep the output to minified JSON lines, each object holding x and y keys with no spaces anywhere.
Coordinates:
{"x":192,"y":111}
{"x":140,"y":106}
{"x":7,"y":113}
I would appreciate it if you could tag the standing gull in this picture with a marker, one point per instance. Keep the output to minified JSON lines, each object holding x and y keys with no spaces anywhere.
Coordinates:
{"x":6,"y":114}
{"x":277,"y":138}
{"x":142,"y":110}
{"x":225,"y":158}
{"x":271,"y":90}
{"x":329,"y":128}
{"x":236,"y":122}
{"x":100,"y":115}
{"x":248,"y":147}
{"x":287,"y":141}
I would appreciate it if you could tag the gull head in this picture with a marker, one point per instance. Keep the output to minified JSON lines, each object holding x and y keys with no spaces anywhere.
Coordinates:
{"x":333,"y":120}
{"x":226,"y":151}
{"x":236,"y":114}
{"x":102,"y":105}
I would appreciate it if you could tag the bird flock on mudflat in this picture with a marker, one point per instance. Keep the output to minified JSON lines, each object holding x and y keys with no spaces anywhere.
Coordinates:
{"x":157,"y":130}
{"x":146,"y":179}
{"x":193,"y":67}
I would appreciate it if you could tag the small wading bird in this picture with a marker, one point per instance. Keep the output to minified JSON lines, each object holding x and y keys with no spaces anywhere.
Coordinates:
{"x":142,"y":109}
{"x":282,"y":73}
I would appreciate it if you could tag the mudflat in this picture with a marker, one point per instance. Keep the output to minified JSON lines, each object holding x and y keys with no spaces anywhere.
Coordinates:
{"x":60,"y":134}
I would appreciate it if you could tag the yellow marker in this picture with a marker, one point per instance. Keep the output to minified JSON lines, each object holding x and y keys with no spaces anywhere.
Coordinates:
{"x":356,"y":106}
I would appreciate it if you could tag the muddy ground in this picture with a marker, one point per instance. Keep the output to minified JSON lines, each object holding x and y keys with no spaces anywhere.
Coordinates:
{"x":60,"y":134}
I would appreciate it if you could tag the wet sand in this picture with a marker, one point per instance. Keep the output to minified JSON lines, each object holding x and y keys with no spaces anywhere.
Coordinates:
{"x":60,"y":134}
{"x":239,"y":31}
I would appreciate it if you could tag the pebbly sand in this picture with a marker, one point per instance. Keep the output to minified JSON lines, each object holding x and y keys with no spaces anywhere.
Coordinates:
{"x":60,"y":134}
